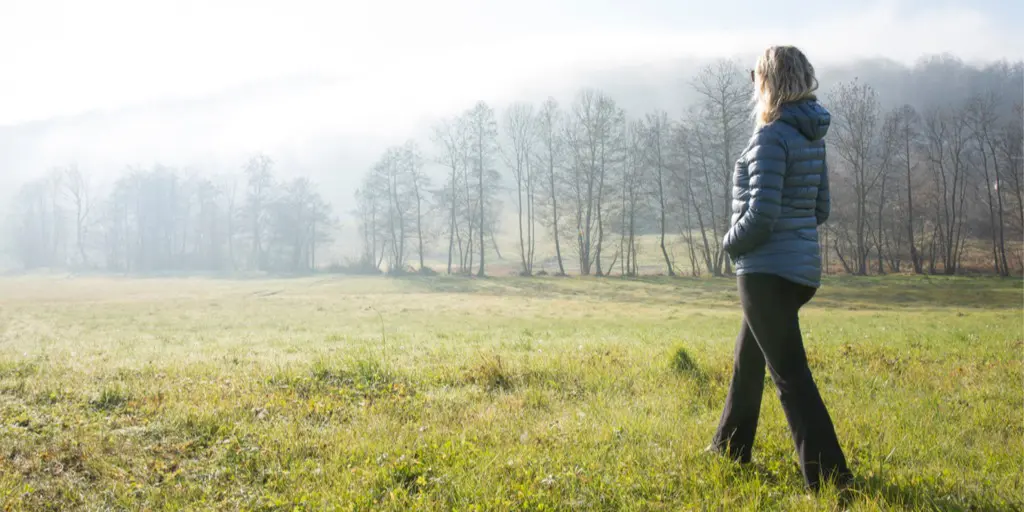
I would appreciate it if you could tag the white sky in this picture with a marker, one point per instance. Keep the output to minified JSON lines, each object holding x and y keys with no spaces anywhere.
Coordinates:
{"x":65,"y":57}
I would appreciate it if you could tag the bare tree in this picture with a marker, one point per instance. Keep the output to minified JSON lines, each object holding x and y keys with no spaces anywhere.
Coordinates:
{"x":519,"y":127}
{"x":77,"y":188}
{"x":36,"y":218}
{"x":589,"y":136}
{"x":230,"y":192}
{"x":703,"y":185}
{"x":418,"y":182}
{"x":258,"y":174}
{"x":1010,"y":146}
{"x":682,"y":183}
{"x":450,"y":138}
{"x":550,"y":121}
{"x":483,"y":134}
{"x":371,"y":215}
{"x":947,"y":136}
{"x":907,"y":136}
{"x":659,"y":133}
{"x":634,"y":176}
{"x":725,"y":93}
{"x":296,"y":221}
{"x":854,"y":107}
{"x":983,"y":118}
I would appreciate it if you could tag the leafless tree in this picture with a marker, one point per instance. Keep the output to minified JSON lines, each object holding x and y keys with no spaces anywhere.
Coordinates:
{"x":450,"y":139}
{"x":854,"y":106}
{"x":659,"y":134}
{"x":947,"y":135}
{"x":983,"y":118}
{"x":258,"y":172}
{"x":76,"y":186}
{"x":483,"y":134}
{"x":725,"y":111}
{"x":549,"y":158}
{"x":520,"y":131}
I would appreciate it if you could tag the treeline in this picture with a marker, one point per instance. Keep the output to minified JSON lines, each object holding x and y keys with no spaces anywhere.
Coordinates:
{"x":929,"y":187}
{"x":163,"y":219}
{"x":921,"y":186}
{"x":916,"y":186}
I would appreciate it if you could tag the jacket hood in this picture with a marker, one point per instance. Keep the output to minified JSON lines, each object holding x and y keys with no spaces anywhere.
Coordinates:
{"x":808,"y":117}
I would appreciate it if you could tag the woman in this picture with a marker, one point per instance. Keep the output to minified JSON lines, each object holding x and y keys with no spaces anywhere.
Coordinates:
{"x":780,"y":197}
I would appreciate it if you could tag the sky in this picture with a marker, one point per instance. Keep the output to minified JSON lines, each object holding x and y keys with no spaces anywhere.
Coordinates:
{"x":323,"y":87}
{"x":62,"y":58}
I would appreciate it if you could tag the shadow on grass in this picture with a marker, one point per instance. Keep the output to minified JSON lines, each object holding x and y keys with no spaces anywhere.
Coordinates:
{"x":912,"y":292}
{"x":647,"y":290}
{"x":848,"y":293}
{"x":924,"y":496}
{"x":886,"y":494}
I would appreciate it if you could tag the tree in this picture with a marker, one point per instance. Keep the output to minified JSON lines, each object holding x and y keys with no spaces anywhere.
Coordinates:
{"x":704,"y":180}
{"x":683,"y":185}
{"x":77,"y":188}
{"x":724,"y":109}
{"x":634,"y":180}
{"x":983,"y":118}
{"x":590,"y":140}
{"x":259,"y":181}
{"x":854,"y":107}
{"x":450,"y":138}
{"x":483,"y":134}
{"x":947,"y":136}
{"x":36,"y":218}
{"x":1010,"y":146}
{"x":519,"y":127}
{"x":659,"y":132}
{"x":297,"y":219}
{"x":550,"y":159}
{"x":370,"y":208}
{"x":905,"y":122}
{"x":412,"y":165}
{"x":390,"y":170}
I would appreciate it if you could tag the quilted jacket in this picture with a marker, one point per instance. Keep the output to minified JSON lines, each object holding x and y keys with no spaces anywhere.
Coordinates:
{"x":781,"y":196}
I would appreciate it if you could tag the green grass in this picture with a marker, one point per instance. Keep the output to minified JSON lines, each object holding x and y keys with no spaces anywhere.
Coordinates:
{"x":495,"y":394}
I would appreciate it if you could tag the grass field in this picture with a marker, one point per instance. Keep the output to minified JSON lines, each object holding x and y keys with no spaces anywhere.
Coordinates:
{"x":495,"y":394}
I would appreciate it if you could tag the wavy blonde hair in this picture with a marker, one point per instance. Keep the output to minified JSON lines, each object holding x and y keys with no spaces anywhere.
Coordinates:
{"x":783,"y":74}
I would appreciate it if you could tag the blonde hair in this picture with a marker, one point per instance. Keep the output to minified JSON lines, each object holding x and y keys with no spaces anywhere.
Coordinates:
{"x":783,"y":75}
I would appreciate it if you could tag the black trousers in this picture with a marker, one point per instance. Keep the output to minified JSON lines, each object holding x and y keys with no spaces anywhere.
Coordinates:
{"x":771,"y":332}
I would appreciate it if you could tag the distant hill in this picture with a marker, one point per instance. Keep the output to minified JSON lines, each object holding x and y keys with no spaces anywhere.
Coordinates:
{"x":311,"y":126}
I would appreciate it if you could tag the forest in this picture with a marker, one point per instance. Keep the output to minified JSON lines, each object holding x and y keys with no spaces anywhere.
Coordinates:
{"x":928,"y":185}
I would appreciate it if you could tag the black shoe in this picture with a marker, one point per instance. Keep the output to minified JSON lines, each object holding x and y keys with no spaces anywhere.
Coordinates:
{"x":712,"y":449}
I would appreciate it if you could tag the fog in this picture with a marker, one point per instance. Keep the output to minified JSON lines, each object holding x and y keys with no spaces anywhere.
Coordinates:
{"x":324,"y":89}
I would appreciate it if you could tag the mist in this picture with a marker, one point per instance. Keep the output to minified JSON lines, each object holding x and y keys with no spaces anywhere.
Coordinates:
{"x":324,"y":92}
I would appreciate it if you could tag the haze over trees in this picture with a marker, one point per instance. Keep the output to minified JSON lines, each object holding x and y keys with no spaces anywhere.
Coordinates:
{"x":925,"y":183}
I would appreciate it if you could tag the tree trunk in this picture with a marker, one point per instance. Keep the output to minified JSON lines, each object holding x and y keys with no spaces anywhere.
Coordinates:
{"x":600,"y":217}
{"x":659,"y":161}
{"x":480,"y":155}
{"x":1000,"y":218}
{"x":554,"y":211}
{"x":914,"y":258}
{"x":879,"y":244}
{"x":519,"y":207}
{"x":531,"y":219}
{"x":451,"y":220}
{"x":419,"y":223}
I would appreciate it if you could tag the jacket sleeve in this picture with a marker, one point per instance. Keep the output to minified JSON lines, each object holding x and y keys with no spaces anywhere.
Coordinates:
{"x":824,"y":205}
{"x":766,"y":170}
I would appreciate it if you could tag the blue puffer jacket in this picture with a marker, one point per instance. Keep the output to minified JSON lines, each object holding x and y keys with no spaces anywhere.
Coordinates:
{"x":781,"y":196}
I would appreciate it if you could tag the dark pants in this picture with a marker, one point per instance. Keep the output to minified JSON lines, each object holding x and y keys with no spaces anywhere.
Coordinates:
{"x":771,"y":331}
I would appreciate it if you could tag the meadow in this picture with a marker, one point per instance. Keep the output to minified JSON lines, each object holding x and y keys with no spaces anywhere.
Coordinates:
{"x":437,"y":393}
